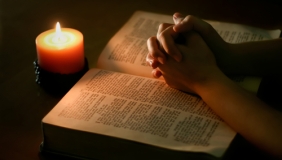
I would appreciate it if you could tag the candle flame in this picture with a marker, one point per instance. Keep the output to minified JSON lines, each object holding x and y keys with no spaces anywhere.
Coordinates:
{"x":58,"y":31}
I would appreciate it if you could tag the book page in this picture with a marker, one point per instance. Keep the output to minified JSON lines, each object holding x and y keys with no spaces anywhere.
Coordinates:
{"x":126,"y":51}
{"x":141,"y":109}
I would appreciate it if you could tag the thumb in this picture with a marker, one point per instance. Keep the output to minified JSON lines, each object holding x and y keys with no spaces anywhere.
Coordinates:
{"x":177,"y":17}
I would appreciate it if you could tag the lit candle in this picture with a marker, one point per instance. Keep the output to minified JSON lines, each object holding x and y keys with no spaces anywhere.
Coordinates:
{"x":60,"y":50}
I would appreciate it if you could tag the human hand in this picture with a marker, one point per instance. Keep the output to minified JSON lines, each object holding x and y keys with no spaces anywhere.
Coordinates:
{"x":157,"y":53}
{"x":197,"y":67}
{"x":218,"y":46}
{"x":168,"y":34}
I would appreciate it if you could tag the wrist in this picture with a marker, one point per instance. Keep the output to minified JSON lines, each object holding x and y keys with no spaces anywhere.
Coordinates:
{"x":226,"y":59}
{"x":212,"y":81}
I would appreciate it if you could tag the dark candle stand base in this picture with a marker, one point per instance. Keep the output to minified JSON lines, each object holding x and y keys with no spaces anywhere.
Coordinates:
{"x":57,"y":83}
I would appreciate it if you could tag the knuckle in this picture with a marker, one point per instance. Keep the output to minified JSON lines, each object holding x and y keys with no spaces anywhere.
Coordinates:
{"x":162,"y":26}
{"x":150,"y":39}
{"x":189,"y":18}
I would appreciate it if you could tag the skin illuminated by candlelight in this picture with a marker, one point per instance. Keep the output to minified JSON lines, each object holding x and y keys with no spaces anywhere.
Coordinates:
{"x":60,"y":50}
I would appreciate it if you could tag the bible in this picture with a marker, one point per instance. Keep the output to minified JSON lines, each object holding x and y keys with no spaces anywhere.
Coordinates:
{"x":119,"y":111}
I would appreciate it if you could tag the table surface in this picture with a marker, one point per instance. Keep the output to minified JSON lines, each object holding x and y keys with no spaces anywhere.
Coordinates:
{"x":23,"y":103}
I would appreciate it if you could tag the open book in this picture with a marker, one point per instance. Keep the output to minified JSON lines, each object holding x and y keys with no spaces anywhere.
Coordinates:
{"x":118,"y":111}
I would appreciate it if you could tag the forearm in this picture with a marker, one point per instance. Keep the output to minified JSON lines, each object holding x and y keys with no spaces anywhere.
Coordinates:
{"x":245,"y":113}
{"x":260,"y":58}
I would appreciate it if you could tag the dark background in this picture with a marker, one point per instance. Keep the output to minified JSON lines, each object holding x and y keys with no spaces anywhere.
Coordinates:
{"x":23,"y":103}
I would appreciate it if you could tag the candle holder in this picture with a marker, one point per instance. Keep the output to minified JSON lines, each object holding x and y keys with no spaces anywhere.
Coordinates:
{"x":57,"y":83}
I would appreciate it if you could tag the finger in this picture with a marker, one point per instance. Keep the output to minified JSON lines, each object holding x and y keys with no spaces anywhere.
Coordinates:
{"x":177,"y":17}
{"x":162,"y":27}
{"x":193,"y":23}
{"x":167,"y":41}
{"x":156,"y":73}
{"x":187,"y":24}
{"x":155,"y":54}
{"x":209,"y":34}
{"x":151,"y":61}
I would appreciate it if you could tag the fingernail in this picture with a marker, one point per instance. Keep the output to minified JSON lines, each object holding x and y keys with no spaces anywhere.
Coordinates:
{"x":156,"y":73}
